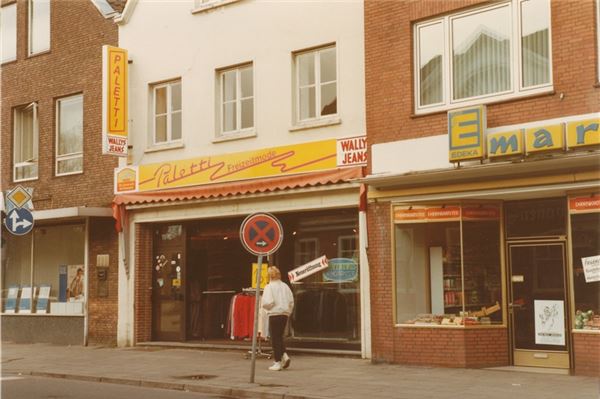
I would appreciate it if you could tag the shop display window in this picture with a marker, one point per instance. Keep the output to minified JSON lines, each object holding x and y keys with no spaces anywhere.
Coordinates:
{"x":448,"y":272}
{"x":43,"y":272}
{"x":586,"y":270}
{"x":327,"y":302}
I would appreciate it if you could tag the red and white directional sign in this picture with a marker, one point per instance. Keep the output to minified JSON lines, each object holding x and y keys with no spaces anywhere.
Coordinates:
{"x":261,"y":234}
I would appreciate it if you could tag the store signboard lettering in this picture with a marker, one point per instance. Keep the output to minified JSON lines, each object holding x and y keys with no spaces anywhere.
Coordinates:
{"x":268,"y":162}
{"x":114,"y":101}
{"x":591,"y":268}
{"x":308,"y":269}
{"x":549,"y":322}
{"x":445,"y":213}
{"x":467,"y":126}
{"x":352,"y":151}
{"x":584,"y":204}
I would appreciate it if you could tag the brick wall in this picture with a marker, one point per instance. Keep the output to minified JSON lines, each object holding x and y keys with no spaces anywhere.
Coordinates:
{"x":143,"y":280}
{"x":389,"y":69}
{"x":586,"y":353}
{"x":452,"y":347}
{"x":103,"y":311}
{"x":73,"y":65}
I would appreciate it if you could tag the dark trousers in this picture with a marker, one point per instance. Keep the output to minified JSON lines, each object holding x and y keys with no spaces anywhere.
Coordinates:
{"x":276,"y":330}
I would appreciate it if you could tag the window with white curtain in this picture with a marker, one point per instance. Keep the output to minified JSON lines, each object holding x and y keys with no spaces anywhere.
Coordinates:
{"x":8,"y":31}
{"x":25,"y":165}
{"x":166,"y":105}
{"x":237,"y":99}
{"x":39,"y":26}
{"x":316,"y":83}
{"x":483,"y":55}
{"x":69,"y":136}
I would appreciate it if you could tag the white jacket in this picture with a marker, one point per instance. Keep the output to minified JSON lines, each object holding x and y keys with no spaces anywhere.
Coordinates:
{"x":277,"y":299}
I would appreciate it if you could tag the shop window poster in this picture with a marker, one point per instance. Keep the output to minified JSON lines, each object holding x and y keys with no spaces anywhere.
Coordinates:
{"x":42,"y":299}
{"x":76,"y":283}
{"x":25,"y":302}
{"x":549,"y":322}
{"x":591,"y":268}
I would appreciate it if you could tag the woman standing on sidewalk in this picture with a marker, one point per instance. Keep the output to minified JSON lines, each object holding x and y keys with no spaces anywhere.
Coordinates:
{"x":278,"y":301}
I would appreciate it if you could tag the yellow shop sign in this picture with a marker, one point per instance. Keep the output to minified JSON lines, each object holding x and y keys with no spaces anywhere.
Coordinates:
{"x":114,"y":100}
{"x":467,"y":129}
{"x":268,"y":162}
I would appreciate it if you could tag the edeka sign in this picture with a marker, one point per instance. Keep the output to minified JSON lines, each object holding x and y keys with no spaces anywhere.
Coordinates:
{"x":269,"y":162}
{"x":464,"y":133}
{"x":466,"y":128}
{"x":114,"y":101}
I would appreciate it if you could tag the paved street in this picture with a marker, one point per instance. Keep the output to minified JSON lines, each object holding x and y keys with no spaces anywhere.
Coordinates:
{"x":14,"y":387}
{"x":227,"y":373}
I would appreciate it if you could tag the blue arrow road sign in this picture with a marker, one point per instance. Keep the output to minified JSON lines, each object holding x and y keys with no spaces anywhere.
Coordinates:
{"x":19,"y":221}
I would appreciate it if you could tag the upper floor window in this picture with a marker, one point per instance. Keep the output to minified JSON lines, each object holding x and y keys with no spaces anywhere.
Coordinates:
{"x":69,"y":137}
{"x":8,"y":30}
{"x":237,"y":99}
{"x":167,"y":112}
{"x":39,"y":26}
{"x":316,"y":84}
{"x":25,"y":165}
{"x":483,"y":55}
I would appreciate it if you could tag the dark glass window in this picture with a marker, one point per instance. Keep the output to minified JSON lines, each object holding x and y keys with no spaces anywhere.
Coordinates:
{"x":536,"y":218}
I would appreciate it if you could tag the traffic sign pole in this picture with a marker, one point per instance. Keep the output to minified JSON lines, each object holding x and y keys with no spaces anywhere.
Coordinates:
{"x":256,"y":309}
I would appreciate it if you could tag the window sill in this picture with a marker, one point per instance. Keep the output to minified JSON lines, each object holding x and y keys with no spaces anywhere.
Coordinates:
{"x":212,"y":5}
{"x":492,"y":100}
{"x":70,"y":174}
{"x":597,"y":85}
{"x":330,"y":121}
{"x":38,"y":54}
{"x":164,"y":147}
{"x":8,"y":62}
{"x":41,"y":315}
{"x":582,"y":331}
{"x":22,"y":180}
{"x":234,"y":136}
{"x":463,"y":327}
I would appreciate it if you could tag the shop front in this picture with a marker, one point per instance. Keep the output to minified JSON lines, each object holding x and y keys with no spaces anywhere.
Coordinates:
{"x":495,"y":263}
{"x":194,"y":279}
{"x":47,"y":294}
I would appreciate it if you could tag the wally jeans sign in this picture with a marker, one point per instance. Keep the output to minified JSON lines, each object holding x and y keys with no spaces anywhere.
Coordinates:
{"x":468,"y":139}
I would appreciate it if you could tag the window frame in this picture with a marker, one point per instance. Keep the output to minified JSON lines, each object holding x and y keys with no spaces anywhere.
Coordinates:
{"x":73,"y":155}
{"x":517,"y":90}
{"x":340,"y":244}
{"x":316,"y":51}
{"x":2,"y":10}
{"x":30,"y":16}
{"x":17,"y":122}
{"x":169,"y":133}
{"x":238,"y":131}
{"x":298,"y":253}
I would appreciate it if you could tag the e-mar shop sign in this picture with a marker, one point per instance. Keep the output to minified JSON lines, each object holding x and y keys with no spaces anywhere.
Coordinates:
{"x":468,"y":139}
{"x":268,"y":162}
{"x":114,"y":101}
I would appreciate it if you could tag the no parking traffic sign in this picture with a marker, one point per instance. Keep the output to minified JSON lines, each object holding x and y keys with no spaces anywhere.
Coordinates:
{"x":261,"y":234}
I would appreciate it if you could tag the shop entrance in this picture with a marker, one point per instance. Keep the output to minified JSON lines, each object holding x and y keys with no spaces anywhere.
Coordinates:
{"x":168,"y":293}
{"x":538,"y":304}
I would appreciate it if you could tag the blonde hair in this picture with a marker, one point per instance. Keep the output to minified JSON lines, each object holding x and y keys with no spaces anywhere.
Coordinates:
{"x":274,"y":273}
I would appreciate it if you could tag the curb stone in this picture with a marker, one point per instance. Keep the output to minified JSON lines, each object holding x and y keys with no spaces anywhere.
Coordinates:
{"x":209,"y":389}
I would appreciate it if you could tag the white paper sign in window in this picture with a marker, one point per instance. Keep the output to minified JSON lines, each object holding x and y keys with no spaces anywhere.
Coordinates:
{"x":549,"y":322}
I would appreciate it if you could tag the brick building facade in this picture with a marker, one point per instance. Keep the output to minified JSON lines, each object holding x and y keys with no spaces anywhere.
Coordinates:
{"x":413,"y":186}
{"x":56,"y":71}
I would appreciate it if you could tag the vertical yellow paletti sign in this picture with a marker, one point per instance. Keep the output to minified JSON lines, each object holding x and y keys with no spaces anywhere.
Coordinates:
{"x":466,"y":129}
{"x":114,"y":101}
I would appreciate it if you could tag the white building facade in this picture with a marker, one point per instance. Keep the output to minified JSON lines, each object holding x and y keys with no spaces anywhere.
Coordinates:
{"x":238,"y":107}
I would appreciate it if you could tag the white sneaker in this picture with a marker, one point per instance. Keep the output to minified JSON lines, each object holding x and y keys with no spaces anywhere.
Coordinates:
{"x":276,"y":366}
{"x":286,"y":360}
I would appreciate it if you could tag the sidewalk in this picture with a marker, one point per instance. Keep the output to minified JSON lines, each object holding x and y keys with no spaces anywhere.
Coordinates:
{"x":227,"y":373}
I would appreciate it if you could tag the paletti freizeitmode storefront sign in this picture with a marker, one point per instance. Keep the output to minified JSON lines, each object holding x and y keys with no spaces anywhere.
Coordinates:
{"x":268,"y":162}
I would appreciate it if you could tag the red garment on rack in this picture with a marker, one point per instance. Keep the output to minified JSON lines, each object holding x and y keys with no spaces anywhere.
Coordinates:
{"x":242,"y":316}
